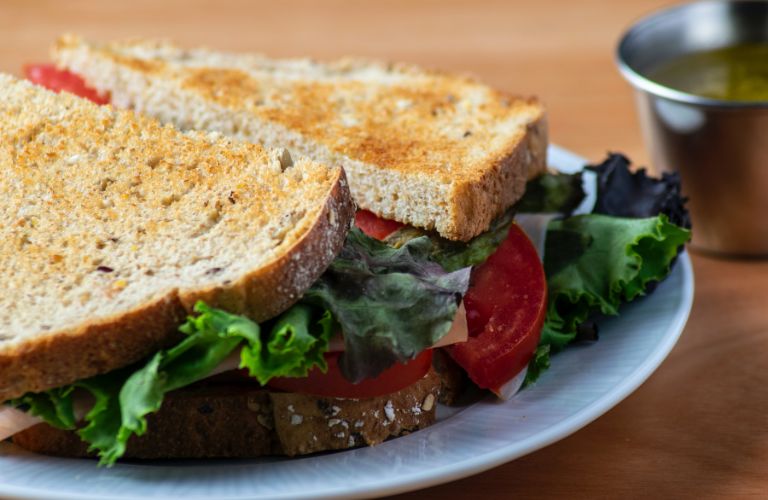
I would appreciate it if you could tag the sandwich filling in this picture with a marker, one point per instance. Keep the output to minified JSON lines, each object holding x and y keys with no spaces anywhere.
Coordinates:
{"x":396,"y":293}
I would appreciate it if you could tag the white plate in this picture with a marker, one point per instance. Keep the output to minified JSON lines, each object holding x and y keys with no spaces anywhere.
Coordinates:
{"x":584,"y":382}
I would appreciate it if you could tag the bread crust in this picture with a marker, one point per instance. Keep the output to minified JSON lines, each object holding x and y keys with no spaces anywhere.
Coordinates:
{"x":231,"y":421}
{"x":65,"y":357}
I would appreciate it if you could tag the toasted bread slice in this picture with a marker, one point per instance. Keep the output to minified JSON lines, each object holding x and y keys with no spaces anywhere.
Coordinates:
{"x":428,"y":149}
{"x":115,"y":225}
{"x":240,"y":422}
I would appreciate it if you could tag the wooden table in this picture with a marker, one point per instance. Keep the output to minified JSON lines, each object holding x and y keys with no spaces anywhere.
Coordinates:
{"x":699,"y":427}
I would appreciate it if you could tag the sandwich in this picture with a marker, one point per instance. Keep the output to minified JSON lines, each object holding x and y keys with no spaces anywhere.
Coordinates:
{"x":436,"y":272}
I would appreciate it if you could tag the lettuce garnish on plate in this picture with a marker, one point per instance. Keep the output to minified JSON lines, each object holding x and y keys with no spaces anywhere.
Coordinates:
{"x":595,"y":262}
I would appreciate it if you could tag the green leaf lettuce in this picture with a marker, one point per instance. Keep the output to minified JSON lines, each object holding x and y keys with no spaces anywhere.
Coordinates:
{"x":596,"y":262}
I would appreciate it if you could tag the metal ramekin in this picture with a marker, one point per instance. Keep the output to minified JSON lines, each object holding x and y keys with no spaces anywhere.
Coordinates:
{"x":719,"y":147}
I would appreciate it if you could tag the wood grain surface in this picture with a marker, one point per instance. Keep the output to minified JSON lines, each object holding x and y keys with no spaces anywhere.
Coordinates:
{"x":699,"y":427}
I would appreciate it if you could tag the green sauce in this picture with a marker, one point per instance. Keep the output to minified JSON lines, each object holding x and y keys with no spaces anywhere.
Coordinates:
{"x":737,"y":73}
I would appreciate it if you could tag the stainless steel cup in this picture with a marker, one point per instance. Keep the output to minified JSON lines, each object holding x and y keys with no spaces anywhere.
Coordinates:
{"x":719,"y":147}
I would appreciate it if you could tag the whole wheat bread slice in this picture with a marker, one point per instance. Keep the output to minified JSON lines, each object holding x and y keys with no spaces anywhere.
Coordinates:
{"x":425,"y":148}
{"x":236,"y":421}
{"x":115,"y":225}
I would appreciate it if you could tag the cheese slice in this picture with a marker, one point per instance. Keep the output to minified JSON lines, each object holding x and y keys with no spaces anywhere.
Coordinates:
{"x":458,"y":332}
{"x":13,"y":421}
{"x":511,"y":387}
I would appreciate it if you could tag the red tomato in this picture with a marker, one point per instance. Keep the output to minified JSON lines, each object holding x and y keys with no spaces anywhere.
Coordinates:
{"x":52,"y":78}
{"x":374,"y":226}
{"x":506,"y":303}
{"x":333,"y":384}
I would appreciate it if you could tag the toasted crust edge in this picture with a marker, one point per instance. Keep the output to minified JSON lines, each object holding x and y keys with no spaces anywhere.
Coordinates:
{"x":477,"y":202}
{"x":64,"y":357}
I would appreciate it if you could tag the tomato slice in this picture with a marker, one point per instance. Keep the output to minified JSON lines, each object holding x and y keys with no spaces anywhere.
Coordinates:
{"x":333,"y":384}
{"x":53,"y":78}
{"x":506,"y":304}
{"x":374,"y":226}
